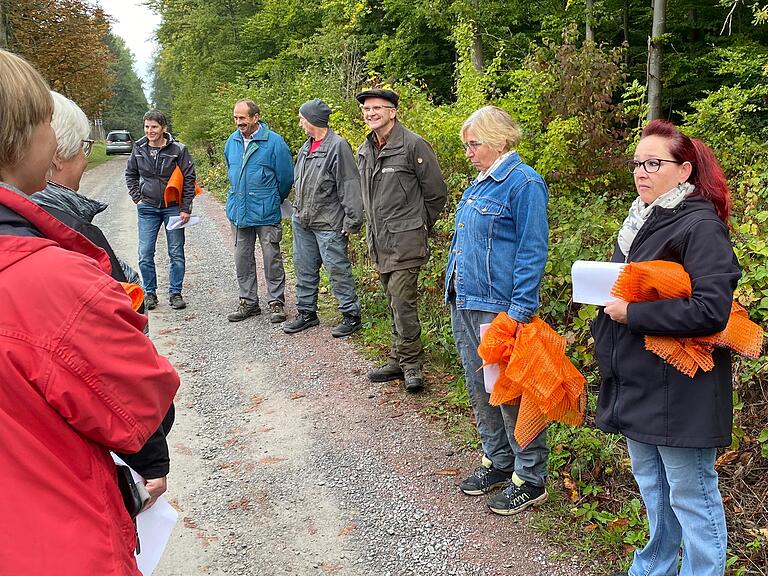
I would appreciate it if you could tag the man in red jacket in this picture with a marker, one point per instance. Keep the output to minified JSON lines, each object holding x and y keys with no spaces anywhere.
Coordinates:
{"x":79,"y":377}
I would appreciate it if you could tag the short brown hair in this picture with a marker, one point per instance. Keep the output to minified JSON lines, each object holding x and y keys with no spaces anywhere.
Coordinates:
{"x":253,"y":108}
{"x":155,"y":115}
{"x":25,"y":102}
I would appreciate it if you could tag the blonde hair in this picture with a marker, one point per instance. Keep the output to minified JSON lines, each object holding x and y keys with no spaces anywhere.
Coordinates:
{"x":25,"y":102}
{"x":494,"y":127}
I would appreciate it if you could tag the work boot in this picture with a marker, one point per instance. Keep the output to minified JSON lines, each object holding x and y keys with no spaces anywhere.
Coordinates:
{"x":302,"y":321}
{"x":177,"y":302}
{"x":150,"y":301}
{"x":390,"y":371}
{"x":413,"y":380}
{"x":276,"y":312}
{"x":349,"y":325}
{"x":244,"y":310}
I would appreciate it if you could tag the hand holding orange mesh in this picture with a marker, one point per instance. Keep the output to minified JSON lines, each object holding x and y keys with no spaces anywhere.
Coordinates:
{"x":659,"y":279}
{"x":535,"y":373}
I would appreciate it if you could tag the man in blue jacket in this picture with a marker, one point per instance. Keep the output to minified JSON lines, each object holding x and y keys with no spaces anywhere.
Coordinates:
{"x":260,"y":169}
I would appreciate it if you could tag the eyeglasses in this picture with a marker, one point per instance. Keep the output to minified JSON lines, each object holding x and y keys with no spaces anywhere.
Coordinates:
{"x":374,"y":109}
{"x":472,"y":145}
{"x":87,"y":147}
{"x":651,"y":165}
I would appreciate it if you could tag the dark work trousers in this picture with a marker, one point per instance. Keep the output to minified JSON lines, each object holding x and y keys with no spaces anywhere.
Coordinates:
{"x":401,"y":288}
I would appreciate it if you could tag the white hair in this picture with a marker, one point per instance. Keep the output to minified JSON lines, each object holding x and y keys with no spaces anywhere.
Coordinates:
{"x":71,"y":126}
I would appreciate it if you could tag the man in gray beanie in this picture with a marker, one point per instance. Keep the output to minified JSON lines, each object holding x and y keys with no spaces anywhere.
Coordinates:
{"x":329,"y":208}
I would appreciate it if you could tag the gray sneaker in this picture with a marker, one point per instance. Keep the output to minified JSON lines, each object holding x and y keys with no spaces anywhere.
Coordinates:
{"x":177,"y":302}
{"x":244,"y":310}
{"x":276,"y":312}
{"x":413,"y":380}
{"x":150,"y":301}
{"x":390,"y":371}
{"x":349,"y":325}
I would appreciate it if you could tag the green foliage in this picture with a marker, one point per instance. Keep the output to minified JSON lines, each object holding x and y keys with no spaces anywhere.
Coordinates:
{"x":580,"y":106}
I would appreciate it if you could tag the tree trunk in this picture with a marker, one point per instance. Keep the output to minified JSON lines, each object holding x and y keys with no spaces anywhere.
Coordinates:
{"x":625,"y":26}
{"x":3,"y":26}
{"x":590,"y":35}
{"x":477,"y":51}
{"x":477,"y":42}
{"x":654,"y":59}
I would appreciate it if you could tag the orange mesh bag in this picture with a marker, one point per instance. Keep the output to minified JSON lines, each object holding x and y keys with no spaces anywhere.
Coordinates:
{"x":659,"y":279}
{"x":534,"y":373}
{"x":175,"y":186}
{"x":135,"y":293}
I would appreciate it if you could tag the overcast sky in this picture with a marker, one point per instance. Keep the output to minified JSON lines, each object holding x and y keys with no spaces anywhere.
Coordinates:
{"x":135,"y":23}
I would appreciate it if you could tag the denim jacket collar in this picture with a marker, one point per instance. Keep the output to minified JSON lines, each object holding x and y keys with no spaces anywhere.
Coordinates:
{"x":503,"y":170}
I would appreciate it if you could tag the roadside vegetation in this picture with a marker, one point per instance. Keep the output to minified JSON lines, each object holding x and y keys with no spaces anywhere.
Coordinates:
{"x":574,"y":74}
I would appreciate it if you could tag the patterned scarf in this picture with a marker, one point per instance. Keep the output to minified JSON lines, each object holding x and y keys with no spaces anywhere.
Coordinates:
{"x":639,"y":213}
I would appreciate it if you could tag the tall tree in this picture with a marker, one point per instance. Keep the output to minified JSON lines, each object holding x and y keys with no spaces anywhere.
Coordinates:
{"x":3,"y":25}
{"x":655,"y":42}
{"x":126,"y":107}
{"x":64,"y":40}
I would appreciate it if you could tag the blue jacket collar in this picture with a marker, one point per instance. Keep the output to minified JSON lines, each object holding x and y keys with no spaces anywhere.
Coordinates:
{"x":261,"y":134}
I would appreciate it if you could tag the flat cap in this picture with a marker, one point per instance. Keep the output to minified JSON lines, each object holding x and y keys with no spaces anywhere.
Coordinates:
{"x":378,"y":93}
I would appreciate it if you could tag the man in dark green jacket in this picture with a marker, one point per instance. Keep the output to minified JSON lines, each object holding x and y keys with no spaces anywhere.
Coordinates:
{"x":403,"y":194}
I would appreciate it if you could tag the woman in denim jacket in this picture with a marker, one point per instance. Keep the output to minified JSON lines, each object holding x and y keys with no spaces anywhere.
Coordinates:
{"x":495,"y":264}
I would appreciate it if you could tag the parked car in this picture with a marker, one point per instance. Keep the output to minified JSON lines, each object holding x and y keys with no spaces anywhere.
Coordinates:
{"x":119,"y":142}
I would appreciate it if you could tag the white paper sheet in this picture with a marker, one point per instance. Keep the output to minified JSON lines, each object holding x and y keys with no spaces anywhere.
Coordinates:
{"x":286,"y":209}
{"x":491,"y":372}
{"x":174,"y":222}
{"x":592,"y":281}
{"x":154,"y":527}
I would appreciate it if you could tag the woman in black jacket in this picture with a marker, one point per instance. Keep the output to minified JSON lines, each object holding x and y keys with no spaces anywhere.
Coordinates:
{"x":673,"y":423}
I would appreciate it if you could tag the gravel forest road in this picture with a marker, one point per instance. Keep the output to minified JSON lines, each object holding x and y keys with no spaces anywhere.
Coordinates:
{"x":285,"y":459}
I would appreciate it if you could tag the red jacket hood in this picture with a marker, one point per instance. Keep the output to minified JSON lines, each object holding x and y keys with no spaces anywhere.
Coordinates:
{"x":16,"y":248}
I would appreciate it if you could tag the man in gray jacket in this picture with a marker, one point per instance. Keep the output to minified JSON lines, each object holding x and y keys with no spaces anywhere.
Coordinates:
{"x":328,"y":209}
{"x":403,"y":194}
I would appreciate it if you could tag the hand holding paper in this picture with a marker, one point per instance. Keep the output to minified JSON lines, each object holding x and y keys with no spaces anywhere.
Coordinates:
{"x":593,"y":281}
{"x":175,"y":222}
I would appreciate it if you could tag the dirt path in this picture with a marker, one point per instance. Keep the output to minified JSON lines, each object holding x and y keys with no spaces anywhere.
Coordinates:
{"x":285,"y":459}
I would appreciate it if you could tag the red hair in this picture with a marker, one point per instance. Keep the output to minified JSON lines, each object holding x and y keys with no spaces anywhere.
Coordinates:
{"x":706,"y":175}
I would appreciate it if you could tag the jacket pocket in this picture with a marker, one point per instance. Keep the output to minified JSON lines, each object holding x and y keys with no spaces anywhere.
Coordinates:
{"x":482,"y":216}
{"x":407,"y":239}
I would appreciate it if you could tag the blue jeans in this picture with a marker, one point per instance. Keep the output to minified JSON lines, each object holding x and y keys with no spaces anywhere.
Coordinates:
{"x":150,"y":221}
{"x":495,"y":424}
{"x":679,"y":488}
{"x":313,"y":248}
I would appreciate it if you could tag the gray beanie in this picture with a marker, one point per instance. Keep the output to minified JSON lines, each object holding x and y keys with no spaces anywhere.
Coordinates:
{"x":316,"y":112}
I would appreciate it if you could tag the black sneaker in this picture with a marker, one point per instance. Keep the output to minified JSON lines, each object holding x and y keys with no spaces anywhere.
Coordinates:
{"x":349,"y":325}
{"x":177,"y":302}
{"x":483,"y":480}
{"x":514,"y":499}
{"x":413,"y":380}
{"x":390,"y":371}
{"x":244,"y":310}
{"x":150,"y":301}
{"x":302,"y":321}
